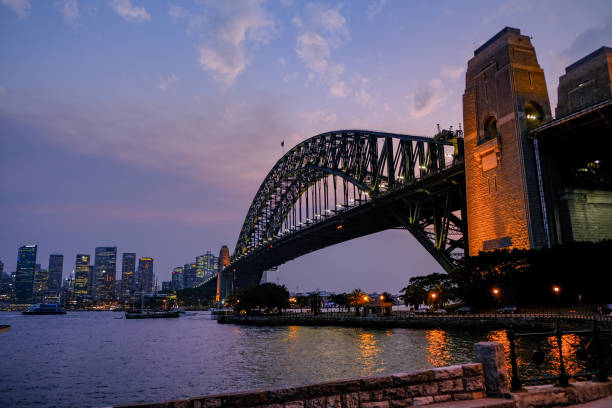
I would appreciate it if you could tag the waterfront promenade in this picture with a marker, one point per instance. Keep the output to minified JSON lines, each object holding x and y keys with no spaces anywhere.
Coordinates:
{"x":523,"y":321}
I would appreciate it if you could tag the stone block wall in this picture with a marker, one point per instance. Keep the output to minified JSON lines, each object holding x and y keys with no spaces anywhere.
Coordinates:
{"x":588,"y":215}
{"x":454,"y":383}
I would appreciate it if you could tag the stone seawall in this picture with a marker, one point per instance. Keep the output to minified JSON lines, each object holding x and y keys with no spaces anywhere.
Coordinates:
{"x":454,"y":383}
{"x":420,"y":322}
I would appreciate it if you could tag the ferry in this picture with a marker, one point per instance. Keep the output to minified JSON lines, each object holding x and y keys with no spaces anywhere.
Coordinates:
{"x":45,"y":309}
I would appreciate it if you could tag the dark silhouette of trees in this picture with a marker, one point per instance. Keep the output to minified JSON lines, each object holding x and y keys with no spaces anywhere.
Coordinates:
{"x":267,"y":297}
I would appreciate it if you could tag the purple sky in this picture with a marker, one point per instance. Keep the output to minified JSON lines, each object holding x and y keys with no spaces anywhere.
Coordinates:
{"x":149,"y":125}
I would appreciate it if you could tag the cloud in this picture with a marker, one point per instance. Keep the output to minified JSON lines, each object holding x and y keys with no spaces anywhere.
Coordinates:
{"x":128,"y":12}
{"x":2,"y":90}
{"x":290,"y":77}
{"x":194,"y":21}
{"x":214,"y":143}
{"x":314,"y":50}
{"x":281,"y":61}
{"x":321,"y":29}
{"x":428,"y":97}
{"x":319,"y":117}
{"x":375,"y":8}
{"x":506,"y":10}
{"x":167,"y":83}
{"x":588,"y":41}
{"x":338,"y":90}
{"x":240,"y":26}
{"x":69,"y":9}
{"x":361,"y":94}
{"x":452,"y":73}
{"x":19,"y":7}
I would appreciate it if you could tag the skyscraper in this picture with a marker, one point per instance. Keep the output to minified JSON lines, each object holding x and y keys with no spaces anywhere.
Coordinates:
{"x":106,"y":272}
{"x":81,"y":280}
{"x":56,"y":268}
{"x":189,"y":274}
{"x":178,"y":282}
{"x":145,"y":274}
{"x":41,"y":281}
{"x":24,"y":276}
{"x":128,"y":269}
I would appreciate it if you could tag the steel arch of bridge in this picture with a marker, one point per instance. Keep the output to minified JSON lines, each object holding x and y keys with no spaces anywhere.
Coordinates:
{"x":301,"y":190}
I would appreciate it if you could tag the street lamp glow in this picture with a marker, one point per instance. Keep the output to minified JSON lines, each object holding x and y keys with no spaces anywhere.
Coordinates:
{"x":556,"y":289}
{"x":434,"y":295}
{"x":495,"y":291}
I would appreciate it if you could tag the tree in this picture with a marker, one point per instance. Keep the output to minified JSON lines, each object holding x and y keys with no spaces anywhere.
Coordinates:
{"x":356,"y":299}
{"x":268,"y":296}
{"x":341,"y":299}
{"x":413,"y":295}
{"x":314,"y":299}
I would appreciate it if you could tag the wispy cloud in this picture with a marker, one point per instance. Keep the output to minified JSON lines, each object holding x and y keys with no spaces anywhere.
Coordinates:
{"x":321,"y":29}
{"x":167,"y":83}
{"x":318,"y":118}
{"x":69,"y":10}
{"x":428,"y":97}
{"x":375,"y":8}
{"x":19,"y":7}
{"x":239,"y":25}
{"x":128,"y":12}
{"x":589,"y":40}
{"x":195,"y":21}
{"x":453,"y":72}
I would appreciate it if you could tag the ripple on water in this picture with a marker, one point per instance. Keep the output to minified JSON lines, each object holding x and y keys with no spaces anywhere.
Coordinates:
{"x":93,"y":359}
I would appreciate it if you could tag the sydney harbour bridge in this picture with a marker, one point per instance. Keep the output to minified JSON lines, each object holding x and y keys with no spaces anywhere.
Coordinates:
{"x":345,"y":184}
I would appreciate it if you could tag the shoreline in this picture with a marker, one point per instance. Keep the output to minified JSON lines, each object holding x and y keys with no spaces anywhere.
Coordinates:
{"x":491,"y":322}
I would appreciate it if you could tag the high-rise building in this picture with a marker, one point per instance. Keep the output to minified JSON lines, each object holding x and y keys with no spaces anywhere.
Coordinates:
{"x":189,"y":275}
{"x":128,"y":274}
{"x":178,"y":281}
{"x":41,"y":281}
{"x":81,"y":280}
{"x":24,"y":276}
{"x":56,"y":268}
{"x":166,"y":286}
{"x":106,"y":272}
{"x":145,"y":274}
{"x":1,"y":269}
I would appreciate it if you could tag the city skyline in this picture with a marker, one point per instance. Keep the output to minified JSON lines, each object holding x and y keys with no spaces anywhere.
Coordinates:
{"x":180,"y":181}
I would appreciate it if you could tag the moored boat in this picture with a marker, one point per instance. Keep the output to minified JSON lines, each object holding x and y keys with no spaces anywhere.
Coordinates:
{"x":45,"y":309}
{"x":151,"y":314}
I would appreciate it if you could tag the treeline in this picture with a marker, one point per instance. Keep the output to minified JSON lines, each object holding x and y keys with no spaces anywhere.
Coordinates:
{"x":581,"y":270}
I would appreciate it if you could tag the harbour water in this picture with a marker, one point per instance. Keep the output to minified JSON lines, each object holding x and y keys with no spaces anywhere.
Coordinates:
{"x":96,"y":359}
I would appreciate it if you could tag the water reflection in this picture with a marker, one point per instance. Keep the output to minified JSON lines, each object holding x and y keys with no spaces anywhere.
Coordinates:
{"x":438,"y":351}
{"x":369,"y":351}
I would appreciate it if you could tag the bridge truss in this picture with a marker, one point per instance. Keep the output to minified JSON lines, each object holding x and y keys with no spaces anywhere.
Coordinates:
{"x":343,"y":184}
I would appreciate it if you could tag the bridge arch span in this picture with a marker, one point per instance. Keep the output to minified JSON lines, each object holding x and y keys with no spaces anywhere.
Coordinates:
{"x":339,"y":185}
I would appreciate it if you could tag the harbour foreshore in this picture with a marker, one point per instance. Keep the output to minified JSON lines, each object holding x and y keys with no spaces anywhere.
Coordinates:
{"x":531,"y":321}
{"x":480,"y":384}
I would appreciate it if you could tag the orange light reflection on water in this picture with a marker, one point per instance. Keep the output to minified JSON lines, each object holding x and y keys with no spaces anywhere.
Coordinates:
{"x":570,"y":343}
{"x":438,"y":353}
{"x":369,"y":350}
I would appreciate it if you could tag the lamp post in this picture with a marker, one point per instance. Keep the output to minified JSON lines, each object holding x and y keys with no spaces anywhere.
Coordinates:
{"x":557,"y":291}
{"x":496,"y":292}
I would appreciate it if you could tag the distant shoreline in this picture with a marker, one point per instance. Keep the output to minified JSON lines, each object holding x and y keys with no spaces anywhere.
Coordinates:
{"x":490,"y":322}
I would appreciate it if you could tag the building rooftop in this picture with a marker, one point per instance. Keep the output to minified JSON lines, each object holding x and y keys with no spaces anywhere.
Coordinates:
{"x":582,"y":60}
{"x":495,"y":37}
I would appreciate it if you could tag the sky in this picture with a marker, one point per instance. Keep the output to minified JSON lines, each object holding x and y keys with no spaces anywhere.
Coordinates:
{"x":149,"y":125}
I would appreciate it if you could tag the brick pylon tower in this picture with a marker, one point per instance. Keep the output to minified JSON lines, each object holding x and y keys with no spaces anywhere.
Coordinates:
{"x":224,"y":260}
{"x":505,"y":97}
